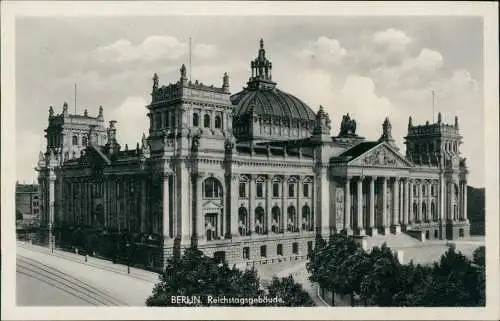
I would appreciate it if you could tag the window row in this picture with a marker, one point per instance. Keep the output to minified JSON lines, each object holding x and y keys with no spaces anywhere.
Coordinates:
{"x":278,"y":224}
{"x":207,"y":121}
{"x":75,"y":141}
{"x":263,"y":250}
{"x":276,"y":189}
{"x":424,"y":188}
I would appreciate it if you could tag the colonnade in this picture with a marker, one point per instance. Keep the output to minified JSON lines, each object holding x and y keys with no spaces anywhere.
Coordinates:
{"x":373,"y":204}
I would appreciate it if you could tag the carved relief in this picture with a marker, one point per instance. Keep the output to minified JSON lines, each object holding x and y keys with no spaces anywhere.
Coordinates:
{"x":339,"y":208}
{"x":380,"y":157}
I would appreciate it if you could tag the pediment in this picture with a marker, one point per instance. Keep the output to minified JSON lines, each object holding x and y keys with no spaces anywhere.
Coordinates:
{"x":381,"y":155}
{"x":212,"y":205}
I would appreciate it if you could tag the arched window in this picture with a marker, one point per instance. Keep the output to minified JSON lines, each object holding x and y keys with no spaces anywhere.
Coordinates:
{"x":84,"y":140}
{"x":259,"y":220}
{"x":218,"y":122}
{"x":158,"y":121}
{"x":276,"y":219}
{"x":166,"y":119}
{"x":75,"y":140}
{"x":424,"y":211}
{"x":414,"y":190}
{"x":206,"y":121}
{"x":291,"y":224}
{"x":242,"y":220}
{"x":212,"y":188}
{"x":173,"y":120}
{"x":306,"y":218}
{"x":196,"y":120}
{"x":433,"y":211}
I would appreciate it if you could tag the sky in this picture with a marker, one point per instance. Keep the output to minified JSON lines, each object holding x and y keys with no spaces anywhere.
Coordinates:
{"x":370,"y":67}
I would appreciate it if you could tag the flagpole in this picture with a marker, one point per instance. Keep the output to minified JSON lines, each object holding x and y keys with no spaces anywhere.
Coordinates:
{"x":75,"y":99}
{"x":190,"y":72}
{"x":433,"y":93}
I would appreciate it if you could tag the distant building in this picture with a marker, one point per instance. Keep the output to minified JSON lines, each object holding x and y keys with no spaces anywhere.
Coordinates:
{"x":27,"y":205}
{"x":252,"y":177}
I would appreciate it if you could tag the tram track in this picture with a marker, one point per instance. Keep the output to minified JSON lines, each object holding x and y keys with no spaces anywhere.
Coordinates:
{"x":64,"y":282}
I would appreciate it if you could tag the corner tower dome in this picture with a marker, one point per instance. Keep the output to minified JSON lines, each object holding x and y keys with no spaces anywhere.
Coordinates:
{"x":263,"y":112}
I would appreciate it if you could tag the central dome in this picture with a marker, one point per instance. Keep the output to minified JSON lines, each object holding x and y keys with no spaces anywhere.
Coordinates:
{"x":280,"y":114}
{"x":271,"y":102}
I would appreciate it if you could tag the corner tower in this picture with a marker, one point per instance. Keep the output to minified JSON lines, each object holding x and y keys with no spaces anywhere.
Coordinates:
{"x":437,"y":146}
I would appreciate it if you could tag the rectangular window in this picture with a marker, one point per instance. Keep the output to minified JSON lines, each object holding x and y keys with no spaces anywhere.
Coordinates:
{"x":279,"y":249}
{"x":243,"y":190}
{"x":306,"y":190}
{"x":295,"y":248}
{"x":291,"y":190}
{"x":276,"y":190}
{"x":260,"y":192}
{"x":263,"y":251}
{"x":246,"y":253}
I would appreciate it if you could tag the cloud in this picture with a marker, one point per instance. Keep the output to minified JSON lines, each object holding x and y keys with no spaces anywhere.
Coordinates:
{"x":153,"y":48}
{"x":359,"y":98}
{"x":132,"y":120}
{"x":205,"y":51}
{"x":413,"y":71}
{"x":28,"y":146}
{"x":323,"y":50}
{"x":392,"y":39}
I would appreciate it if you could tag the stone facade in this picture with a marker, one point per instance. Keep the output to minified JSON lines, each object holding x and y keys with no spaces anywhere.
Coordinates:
{"x":254,"y":177}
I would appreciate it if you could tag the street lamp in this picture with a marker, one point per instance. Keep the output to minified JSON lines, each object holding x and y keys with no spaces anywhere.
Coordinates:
{"x":128,"y":257}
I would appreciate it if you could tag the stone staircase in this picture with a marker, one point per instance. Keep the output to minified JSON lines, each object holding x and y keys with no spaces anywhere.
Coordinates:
{"x":396,"y":241}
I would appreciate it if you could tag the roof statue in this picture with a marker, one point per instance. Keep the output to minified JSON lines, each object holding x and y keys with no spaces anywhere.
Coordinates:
{"x":65,"y":107}
{"x":322,"y":122}
{"x":183,"y":73}
{"x":347,"y":126}
{"x":51,"y":111}
{"x":225,"y":82}
{"x":155,"y":81}
{"x":456,"y":122}
{"x":85,"y":113}
{"x":439,"y":118}
{"x":100,"y":112}
{"x":410,"y":124}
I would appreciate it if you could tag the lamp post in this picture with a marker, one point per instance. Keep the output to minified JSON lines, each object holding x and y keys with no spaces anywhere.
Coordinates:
{"x":128,"y":257}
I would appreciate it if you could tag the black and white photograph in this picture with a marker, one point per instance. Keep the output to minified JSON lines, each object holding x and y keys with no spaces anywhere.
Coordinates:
{"x":337,"y":157}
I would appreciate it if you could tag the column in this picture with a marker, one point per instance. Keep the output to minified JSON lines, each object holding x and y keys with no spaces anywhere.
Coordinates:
{"x":347,"y":205}
{"x":429,"y":207}
{"x":420,"y":198}
{"x":406,"y":201}
{"x":284,"y":210}
{"x":298,"y":217}
{"x":52,"y":179}
{"x":395,"y":208}
{"x":464,"y":209}
{"x":411,"y":215}
{"x":234,"y":192}
{"x":199,"y":216}
{"x":385,"y":228}
{"x":166,"y":213}
{"x":251,"y":208}
{"x":400,"y":218}
{"x":373,"y":228}
{"x":450,"y":201}
{"x":361,"y":230}
{"x":268,"y":203}
{"x":126,"y":185}
{"x":143,"y":204}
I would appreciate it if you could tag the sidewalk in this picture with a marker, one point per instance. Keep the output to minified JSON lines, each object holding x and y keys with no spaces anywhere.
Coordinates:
{"x":112,"y":278}
{"x":94,"y":261}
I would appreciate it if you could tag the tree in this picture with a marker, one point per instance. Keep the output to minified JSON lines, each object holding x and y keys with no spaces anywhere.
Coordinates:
{"x":19,"y":215}
{"x":291,"y":292}
{"x":479,"y":256}
{"x":382,"y":281}
{"x":194,"y":274}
